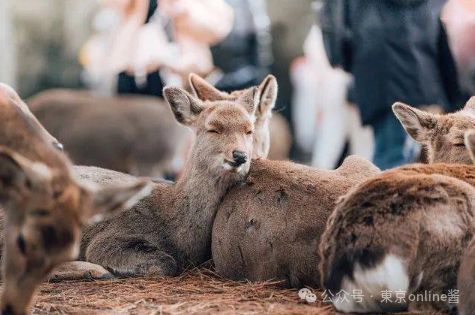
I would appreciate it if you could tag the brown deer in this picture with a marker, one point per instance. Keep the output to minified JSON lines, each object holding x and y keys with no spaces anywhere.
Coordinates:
{"x":406,"y":229}
{"x":133,"y":134}
{"x":256,"y":222}
{"x":171,"y":229}
{"x":45,"y":207}
{"x":272,"y":136}
{"x":401,"y":231}
{"x":442,"y":136}
{"x":267,"y":91}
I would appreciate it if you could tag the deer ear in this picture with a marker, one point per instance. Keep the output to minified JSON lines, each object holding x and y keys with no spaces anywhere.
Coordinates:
{"x":469,"y":139}
{"x":417,"y":123}
{"x":250,"y":99}
{"x":185,"y":107}
{"x":268,"y":95}
{"x":19,"y":175}
{"x":108,"y":200}
{"x":470,"y":105}
{"x":205,"y":91}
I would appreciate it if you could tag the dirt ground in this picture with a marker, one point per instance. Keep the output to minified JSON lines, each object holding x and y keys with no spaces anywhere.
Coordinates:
{"x":198,"y":291}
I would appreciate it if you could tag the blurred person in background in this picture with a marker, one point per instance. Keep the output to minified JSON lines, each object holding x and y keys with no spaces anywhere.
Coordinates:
{"x":244,"y":57}
{"x":143,"y":45}
{"x":459,"y":16}
{"x":324,"y":121}
{"x":397,"y":50}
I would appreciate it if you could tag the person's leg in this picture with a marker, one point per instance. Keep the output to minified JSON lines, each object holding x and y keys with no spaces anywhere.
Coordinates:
{"x":389,"y":142}
{"x":126,"y":84}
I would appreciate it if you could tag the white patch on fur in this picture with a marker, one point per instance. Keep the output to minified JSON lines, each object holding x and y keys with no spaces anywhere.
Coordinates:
{"x":389,"y":275}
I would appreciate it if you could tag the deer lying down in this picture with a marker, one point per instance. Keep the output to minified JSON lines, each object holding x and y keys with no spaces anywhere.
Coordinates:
{"x":171,"y":229}
{"x":399,"y":232}
{"x":45,"y":207}
{"x":132,"y":134}
{"x":270,"y":227}
{"x":406,"y":229}
{"x":253,"y":217}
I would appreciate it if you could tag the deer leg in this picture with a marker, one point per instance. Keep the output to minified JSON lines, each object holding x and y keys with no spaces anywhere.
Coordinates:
{"x":131,"y":256}
{"x":78,"y":270}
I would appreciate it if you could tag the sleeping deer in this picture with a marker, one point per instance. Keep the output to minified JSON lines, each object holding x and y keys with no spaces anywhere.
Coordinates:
{"x":171,"y":229}
{"x":272,"y":136}
{"x":45,"y":207}
{"x":406,"y":229}
{"x":265,"y":229}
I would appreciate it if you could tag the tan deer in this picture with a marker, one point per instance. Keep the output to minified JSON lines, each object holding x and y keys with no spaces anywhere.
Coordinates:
{"x":257,"y":231}
{"x":133,"y":134}
{"x":407,"y":228}
{"x":272,"y":136}
{"x":442,"y":136}
{"x":171,"y":229}
{"x":45,"y":207}
{"x":402,"y":231}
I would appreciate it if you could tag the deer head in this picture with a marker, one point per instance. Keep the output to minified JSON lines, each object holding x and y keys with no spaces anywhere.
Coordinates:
{"x":224,"y":129}
{"x":441,"y":135}
{"x":268,"y":90}
{"x":45,"y":207}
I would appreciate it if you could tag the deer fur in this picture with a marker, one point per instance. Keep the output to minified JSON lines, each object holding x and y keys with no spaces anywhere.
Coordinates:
{"x":132,"y":134}
{"x":405,"y":229}
{"x":270,"y":227}
{"x":466,"y":281}
{"x":171,"y":229}
{"x":45,"y":208}
{"x":280,"y":138}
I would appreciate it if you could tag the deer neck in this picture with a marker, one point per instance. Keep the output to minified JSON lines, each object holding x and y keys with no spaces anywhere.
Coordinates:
{"x":196,"y":197}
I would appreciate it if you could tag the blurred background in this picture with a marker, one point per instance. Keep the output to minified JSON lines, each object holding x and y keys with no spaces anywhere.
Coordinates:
{"x":93,"y":71}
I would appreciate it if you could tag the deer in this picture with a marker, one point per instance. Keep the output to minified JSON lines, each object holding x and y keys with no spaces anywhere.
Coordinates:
{"x":272,"y":138}
{"x":275,"y":196}
{"x":44,"y":207}
{"x":132,"y":134}
{"x":98,"y":241}
{"x":170,"y":230}
{"x":406,"y":229}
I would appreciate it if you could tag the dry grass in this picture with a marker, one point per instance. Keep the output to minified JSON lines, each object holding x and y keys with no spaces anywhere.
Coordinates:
{"x":198,"y":291}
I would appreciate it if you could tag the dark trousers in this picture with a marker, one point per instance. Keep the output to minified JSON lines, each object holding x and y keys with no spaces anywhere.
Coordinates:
{"x":153,"y":87}
{"x":390,"y":138}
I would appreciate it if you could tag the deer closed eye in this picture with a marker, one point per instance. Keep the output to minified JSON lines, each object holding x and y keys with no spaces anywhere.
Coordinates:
{"x":213,"y":131}
{"x":40,"y":212}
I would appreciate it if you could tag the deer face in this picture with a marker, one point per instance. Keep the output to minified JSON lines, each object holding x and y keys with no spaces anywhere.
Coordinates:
{"x":267,"y":97}
{"x":224,"y":130}
{"x":45,"y":212}
{"x":441,"y":135}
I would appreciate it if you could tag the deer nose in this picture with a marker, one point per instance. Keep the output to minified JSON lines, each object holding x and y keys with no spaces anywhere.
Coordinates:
{"x":239,"y":158}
